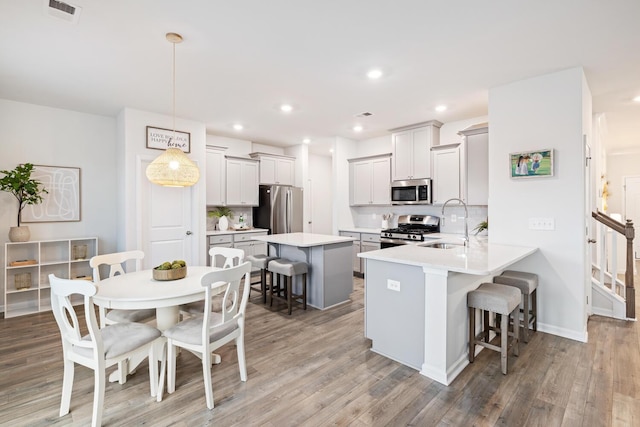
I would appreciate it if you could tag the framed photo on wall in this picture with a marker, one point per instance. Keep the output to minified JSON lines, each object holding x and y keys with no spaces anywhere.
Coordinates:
{"x":62,"y":202}
{"x":531,"y":164}
{"x":161,"y":139}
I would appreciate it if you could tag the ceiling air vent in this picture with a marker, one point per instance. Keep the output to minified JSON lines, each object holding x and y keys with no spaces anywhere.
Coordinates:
{"x":65,"y":11}
{"x":365,"y":114}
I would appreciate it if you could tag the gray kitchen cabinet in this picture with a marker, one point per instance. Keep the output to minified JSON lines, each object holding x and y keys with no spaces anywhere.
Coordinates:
{"x":240,"y":240}
{"x":411,"y":150}
{"x":356,"y":249}
{"x":276,"y":169}
{"x":475,"y":180}
{"x":369,"y":181}
{"x":446,"y":173}
{"x":216,"y":176}
{"x":364,"y":242}
{"x":242,"y":181}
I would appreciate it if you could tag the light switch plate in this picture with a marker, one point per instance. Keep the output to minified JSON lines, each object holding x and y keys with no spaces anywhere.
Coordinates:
{"x":542,"y":224}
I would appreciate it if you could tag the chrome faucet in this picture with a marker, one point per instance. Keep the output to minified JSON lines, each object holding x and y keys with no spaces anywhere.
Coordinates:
{"x":466,"y":215}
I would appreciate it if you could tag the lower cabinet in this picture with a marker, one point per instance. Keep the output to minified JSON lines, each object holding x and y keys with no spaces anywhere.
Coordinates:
{"x":364,"y":242}
{"x":28,"y":265}
{"x":242,"y":240}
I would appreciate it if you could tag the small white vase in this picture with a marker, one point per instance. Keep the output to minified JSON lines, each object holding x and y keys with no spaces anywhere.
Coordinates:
{"x":223,"y":223}
{"x":19,"y":234}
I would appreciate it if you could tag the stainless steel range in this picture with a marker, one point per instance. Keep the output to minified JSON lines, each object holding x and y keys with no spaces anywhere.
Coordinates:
{"x":411,"y":229}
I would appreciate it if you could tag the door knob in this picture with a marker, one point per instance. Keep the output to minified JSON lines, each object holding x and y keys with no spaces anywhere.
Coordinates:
{"x":189,"y":233}
{"x":591,"y":240}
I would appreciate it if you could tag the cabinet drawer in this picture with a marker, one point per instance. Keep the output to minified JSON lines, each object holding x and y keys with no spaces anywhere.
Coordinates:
{"x":247,"y":236}
{"x":224,"y":238}
{"x":370,"y":237}
{"x":350,"y":234}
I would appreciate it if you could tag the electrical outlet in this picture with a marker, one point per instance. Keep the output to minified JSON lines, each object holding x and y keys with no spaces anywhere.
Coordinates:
{"x":394,"y":285}
{"x":454,"y":217}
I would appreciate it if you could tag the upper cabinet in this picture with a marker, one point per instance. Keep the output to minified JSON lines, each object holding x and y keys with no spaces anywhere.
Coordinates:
{"x":242,"y":181}
{"x":411,"y":146}
{"x":476,"y":164}
{"x":276,"y":169}
{"x":216,"y":176}
{"x":369,"y":181}
{"x":446,"y":173}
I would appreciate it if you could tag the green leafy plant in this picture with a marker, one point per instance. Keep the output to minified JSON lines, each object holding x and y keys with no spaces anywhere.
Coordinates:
{"x":484,"y":225}
{"x":26,"y":190}
{"x":221,"y":211}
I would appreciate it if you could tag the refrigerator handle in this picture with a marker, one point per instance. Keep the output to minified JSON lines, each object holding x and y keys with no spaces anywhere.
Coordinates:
{"x":288,"y":212}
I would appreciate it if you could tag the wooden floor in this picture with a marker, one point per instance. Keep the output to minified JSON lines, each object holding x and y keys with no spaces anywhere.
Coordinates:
{"x":315,"y":368}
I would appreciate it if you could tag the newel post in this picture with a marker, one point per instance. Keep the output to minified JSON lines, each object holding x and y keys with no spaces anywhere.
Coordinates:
{"x":630,"y":293}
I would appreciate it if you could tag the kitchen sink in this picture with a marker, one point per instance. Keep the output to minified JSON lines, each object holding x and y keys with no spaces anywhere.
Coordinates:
{"x":442,"y":245}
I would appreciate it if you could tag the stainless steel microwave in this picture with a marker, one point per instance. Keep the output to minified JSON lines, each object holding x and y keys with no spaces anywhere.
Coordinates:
{"x":411,"y":192}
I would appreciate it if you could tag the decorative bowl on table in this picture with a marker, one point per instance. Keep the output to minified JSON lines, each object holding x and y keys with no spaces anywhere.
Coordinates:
{"x":170,"y":271}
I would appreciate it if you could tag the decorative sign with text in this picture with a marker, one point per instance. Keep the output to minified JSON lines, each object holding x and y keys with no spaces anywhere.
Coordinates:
{"x":161,"y":139}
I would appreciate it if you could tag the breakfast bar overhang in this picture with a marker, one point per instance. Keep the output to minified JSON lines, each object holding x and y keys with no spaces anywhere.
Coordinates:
{"x":416,"y":301}
{"x":329,"y":258}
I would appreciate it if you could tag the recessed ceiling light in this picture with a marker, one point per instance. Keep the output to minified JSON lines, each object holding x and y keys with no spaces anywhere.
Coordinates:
{"x":306,"y":141}
{"x":238,"y":126}
{"x":331,"y":150}
{"x":286,"y":108}
{"x":637,"y":99}
{"x":357,"y":128}
{"x":441,"y":108}
{"x":374,"y":74}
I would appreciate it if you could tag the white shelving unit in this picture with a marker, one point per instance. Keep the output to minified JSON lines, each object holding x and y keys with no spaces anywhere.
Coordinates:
{"x":26,"y":286}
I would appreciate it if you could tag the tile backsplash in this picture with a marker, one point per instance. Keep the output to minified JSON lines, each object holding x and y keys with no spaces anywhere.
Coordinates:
{"x":247,"y":213}
{"x":371,"y":217}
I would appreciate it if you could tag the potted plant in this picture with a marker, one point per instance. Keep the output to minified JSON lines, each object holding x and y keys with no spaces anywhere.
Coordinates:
{"x":26,"y":190}
{"x":223,"y":214}
{"x":484,"y":225}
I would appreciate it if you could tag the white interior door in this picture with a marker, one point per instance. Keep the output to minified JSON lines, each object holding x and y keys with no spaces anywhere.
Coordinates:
{"x":589,"y":239}
{"x":632,"y":208}
{"x":166,"y":226}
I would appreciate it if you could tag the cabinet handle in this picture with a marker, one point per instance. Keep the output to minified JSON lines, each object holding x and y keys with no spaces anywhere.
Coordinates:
{"x":189,"y":233}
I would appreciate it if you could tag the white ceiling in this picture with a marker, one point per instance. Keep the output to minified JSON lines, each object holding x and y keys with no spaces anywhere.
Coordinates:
{"x":241,"y":59}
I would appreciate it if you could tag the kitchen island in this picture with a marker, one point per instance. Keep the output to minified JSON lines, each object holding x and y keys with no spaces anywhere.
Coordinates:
{"x":329,"y":280}
{"x":416,"y":300}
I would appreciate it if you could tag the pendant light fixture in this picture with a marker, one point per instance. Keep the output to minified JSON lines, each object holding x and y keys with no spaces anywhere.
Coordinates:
{"x":173,"y":168}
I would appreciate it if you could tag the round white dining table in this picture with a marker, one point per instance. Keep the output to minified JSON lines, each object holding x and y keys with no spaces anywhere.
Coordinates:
{"x":138,"y":290}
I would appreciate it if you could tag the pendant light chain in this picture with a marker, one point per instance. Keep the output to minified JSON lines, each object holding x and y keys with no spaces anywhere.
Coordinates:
{"x":174,"y":92}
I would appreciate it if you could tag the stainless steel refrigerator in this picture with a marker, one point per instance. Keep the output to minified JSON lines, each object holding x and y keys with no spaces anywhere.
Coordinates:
{"x":280,"y":209}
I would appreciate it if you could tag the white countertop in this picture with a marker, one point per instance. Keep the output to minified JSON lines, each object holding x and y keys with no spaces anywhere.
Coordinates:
{"x":230,"y":231}
{"x":480,"y":258}
{"x":362,"y":230}
{"x":303,"y":240}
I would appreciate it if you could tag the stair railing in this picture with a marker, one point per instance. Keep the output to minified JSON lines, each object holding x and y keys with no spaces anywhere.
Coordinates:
{"x":628,"y":232}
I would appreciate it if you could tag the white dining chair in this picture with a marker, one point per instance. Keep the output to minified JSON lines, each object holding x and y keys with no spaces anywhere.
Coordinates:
{"x":203,"y":334}
{"x":221,"y":258}
{"x":100,"y":348}
{"x":115,"y":262}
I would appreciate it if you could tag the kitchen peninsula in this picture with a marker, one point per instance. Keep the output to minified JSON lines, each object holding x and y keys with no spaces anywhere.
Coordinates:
{"x":416,"y":300}
{"x":329,"y":259}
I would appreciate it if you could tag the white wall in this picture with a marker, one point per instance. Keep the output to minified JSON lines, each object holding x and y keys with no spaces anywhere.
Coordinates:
{"x":343,"y":149}
{"x":132,"y":148}
{"x":620,"y":166}
{"x":321,"y":201}
{"x":449,"y":131}
{"x":550,"y":111}
{"x":51,"y":136}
